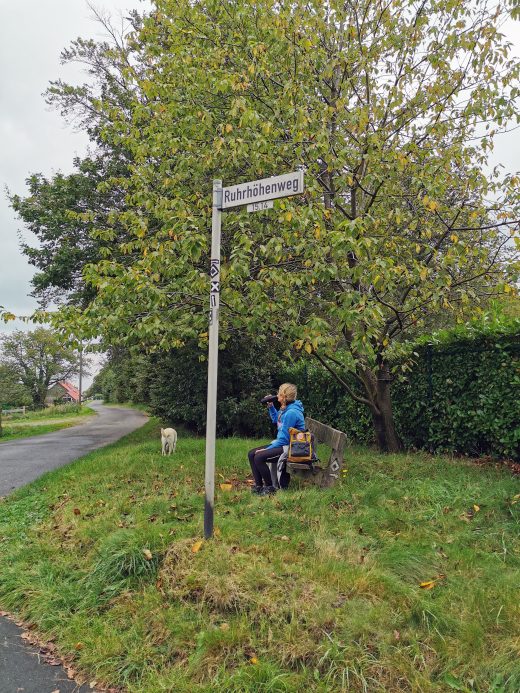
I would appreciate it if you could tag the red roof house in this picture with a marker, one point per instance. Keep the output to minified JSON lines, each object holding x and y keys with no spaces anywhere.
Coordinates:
{"x":62,"y":392}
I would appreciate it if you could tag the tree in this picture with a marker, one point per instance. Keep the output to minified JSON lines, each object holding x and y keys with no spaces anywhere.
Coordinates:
{"x":63,"y":211}
{"x":39,"y":359}
{"x":12,"y":392}
{"x":53,"y":211}
{"x":391,"y":110}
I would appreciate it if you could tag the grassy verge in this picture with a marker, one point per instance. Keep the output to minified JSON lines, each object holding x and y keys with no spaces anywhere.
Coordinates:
{"x":308,"y":590}
{"x":44,"y":421}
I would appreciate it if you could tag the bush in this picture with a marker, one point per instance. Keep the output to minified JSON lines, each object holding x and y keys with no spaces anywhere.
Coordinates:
{"x":325,"y":399}
{"x":178,"y":387}
{"x":462,"y":394}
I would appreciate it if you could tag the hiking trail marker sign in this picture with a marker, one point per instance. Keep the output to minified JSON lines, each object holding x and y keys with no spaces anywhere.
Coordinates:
{"x":257,"y":195}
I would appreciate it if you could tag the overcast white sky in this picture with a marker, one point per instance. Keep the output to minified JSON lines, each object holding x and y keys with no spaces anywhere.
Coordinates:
{"x":34,"y":138}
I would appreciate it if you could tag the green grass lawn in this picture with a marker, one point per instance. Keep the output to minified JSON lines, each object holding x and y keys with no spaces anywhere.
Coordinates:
{"x":43,"y":421}
{"x":309,"y":590}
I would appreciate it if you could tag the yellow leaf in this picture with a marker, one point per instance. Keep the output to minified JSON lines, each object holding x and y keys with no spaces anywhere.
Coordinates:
{"x":217,"y":532}
{"x":454,"y":238}
{"x":224,"y":626}
{"x":197,"y":546}
{"x":229,"y":127}
{"x":226,"y":487}
{"x":147,"y":554}
{"x":317,"y":232}
{"x":298,"y":344}
{"x":428,"y":585}
{"x":507,"y":289}
{"x":385,"y":341}
{"x":423,"y":273}
{"x":308,"y":348}
{"x":251,"y":69}
{"x":476,"y":508}
{"x":288,"y":216}
{"x":254,"y":660}
{"x":417,"y":248}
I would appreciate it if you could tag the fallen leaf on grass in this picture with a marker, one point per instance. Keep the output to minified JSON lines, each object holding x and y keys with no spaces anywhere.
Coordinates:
{"x":197,"y":546}
{"x":76,"y":511}
{"x":226,"y":487}
{"x":397,"y":635}
{"x":430,"y":584}
{"x":224,"y":626}
{"x":147,"y":554}
{"x":254,"y":660}
{"x":217,"y":532}
{"x":78,"y":646}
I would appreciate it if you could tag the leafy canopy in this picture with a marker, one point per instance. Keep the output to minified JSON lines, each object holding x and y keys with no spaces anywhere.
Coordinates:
{"x":391,"y":109}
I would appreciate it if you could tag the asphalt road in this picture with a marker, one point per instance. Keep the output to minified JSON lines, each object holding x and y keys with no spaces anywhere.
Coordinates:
{"x":25,"y":459}
{"x":22,"y":461}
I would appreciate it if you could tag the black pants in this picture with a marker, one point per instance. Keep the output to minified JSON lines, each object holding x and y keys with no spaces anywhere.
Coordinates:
{"x":258,"y":459}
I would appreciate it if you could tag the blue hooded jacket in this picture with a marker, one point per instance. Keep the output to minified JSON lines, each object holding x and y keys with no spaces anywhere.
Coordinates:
{"x":290,"y":417}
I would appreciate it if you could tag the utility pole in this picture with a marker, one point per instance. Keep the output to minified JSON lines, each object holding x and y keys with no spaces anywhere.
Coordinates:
{"x":80,"y":373}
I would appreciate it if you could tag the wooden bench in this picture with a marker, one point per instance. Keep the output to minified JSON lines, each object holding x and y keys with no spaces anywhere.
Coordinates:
{"x":323,"y":476}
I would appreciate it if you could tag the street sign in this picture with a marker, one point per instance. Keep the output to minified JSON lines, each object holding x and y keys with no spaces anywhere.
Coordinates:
{"x":263,"y":189}
{"x":257,"y":195}
{"x":260,"y":206}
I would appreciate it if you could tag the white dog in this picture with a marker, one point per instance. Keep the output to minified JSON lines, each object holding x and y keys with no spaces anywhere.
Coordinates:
{"x":168,"y":440}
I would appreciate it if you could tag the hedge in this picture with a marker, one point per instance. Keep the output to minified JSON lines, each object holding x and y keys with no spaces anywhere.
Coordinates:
{"x":461,"y":394}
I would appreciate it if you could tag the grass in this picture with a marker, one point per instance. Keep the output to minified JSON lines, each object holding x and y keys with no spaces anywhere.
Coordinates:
{"x":308,"y":590}
{"x":43,"y":421}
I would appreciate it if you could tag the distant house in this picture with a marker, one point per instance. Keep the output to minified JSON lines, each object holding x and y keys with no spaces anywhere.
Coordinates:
{"x":62,"y":393}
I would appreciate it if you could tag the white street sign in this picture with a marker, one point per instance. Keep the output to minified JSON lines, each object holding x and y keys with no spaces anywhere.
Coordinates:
{"x":264,"y":189}
{"x":260,"y":206}
{"x":257,"y":195}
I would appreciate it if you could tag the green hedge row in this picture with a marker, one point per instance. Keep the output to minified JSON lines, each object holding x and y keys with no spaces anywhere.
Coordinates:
{"x":461,"y":395}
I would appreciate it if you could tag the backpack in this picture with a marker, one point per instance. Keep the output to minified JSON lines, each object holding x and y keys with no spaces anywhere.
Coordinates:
{"x":302,"y":447}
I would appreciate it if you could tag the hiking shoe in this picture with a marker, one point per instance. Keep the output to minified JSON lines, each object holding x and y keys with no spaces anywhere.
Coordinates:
{"x":267,"y":491}
{"x":257,"y":490}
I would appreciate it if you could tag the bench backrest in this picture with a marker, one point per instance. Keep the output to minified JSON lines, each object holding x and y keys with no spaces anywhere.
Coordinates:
{"x":337,"y":441}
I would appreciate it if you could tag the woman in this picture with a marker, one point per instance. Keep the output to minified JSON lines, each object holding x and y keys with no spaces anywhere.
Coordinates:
{"x":289,"y":416}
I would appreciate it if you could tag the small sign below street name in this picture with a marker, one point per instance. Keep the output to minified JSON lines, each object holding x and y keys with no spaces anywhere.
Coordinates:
{"x":260,"y":206}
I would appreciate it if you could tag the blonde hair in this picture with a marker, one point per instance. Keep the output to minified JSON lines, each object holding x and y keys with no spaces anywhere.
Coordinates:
{"x":289,"y":390}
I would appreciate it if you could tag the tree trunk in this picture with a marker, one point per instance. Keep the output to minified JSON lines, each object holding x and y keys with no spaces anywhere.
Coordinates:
{"x":377,"y":387}
{"x":387,"y":438}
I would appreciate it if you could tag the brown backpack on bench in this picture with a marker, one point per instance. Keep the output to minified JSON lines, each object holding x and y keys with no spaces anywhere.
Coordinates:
{"x":302,"y":447}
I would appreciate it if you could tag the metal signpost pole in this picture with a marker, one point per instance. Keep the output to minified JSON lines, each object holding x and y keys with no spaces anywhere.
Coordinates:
{"x":211,"y":414}
{"x":258,"y":196}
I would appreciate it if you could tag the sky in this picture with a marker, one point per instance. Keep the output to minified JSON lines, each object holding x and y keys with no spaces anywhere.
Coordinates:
{"x":34,"y":138}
